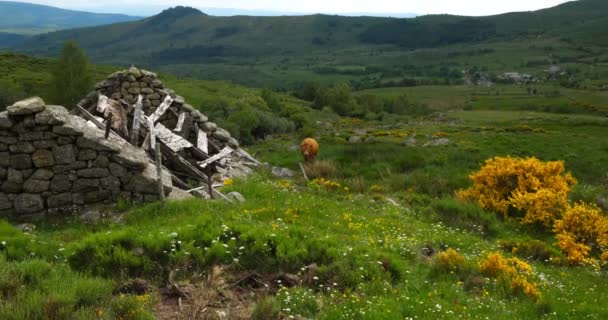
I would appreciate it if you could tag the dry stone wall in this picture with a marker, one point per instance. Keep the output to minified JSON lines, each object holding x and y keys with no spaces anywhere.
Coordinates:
{"x":127,"y":85}
{"x":53,"y":161}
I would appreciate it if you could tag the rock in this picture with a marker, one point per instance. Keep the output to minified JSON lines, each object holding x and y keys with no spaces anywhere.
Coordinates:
{"x":135,"y":159}
{"x":85,"y":185}
{"x":87,"y":154}
{"x":21,"y":161}
{"x":32,"y":136}
{"x":147,"y":91}
{"x":208,"y":126}
{"x":4,"y":202}
{"x":188,"y":108}
{"x":101,"y":162}
{"x":236,"y":196}
{"x":69,"y":167}
{"x":221,"y":135}
{"x":179,"y":100}
{"x":282,"y":173}
{"x":36,"y":186}
{"x":94,"y":139}
{"x":61,"y":183}
{"x":26,"y":203}
{"x":354,"y":139}
{"x":59,"y":201}
{"x":2,"y":173}
{"x":104,"y":84}
{"x":200,"y":117}
{"x":179,"y":194}
{"x":145,"y":183}
{"x":43,"y":158}
{"x":410,"y":142}
{"x":43,"y":174}
{"x":117,"y":170}
{"x":44,"y":144}
{"x":97,"y":196}
{"x":25,"y":107}
{"x":5,"y":121}
{"x":22,"y":147}
{"x":64,"y":154}
{"x":73,"y":126}
{"x":93,"y":173}
{"x":135,"y":73}
{"x":4,"y":159}
{"x":111,"y":184}
{"x":233,"y":143}
{"x":437,"y":143}
{"x":52,"y":115}
{"x":26,"y":227}
{"x":90,"y":216}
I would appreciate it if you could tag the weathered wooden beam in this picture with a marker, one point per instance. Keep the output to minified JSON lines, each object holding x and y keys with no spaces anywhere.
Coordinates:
{"x":225,"y":152}
{"x":161,"y":109}
{"x":183,"y":163}
{"x":96,"y":122}
{"x":152,"y":132}
{"x":180,"y":122}
{"x":159,"y":172}
{"x":247,"y":156}
{"x":202,"y":141}
{"x":137,"y":117}
{"x":172,"y":140}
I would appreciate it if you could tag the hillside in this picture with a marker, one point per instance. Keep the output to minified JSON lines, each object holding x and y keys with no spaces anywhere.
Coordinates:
{"x":380,"y":231}
{"x":29,"y":19}
{"x":282,"y":52}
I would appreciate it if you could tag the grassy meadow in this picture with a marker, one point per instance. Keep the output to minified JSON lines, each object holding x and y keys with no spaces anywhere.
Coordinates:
{"x":377,"y":233}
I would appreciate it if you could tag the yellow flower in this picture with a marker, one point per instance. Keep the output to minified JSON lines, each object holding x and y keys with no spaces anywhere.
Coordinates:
{"x":228,"y":182}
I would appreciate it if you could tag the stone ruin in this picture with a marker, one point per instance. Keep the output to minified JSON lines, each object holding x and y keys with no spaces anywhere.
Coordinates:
{"x":52,"y":160}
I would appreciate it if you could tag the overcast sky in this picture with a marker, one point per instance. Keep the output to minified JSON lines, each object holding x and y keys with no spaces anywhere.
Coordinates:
{"x":461,"y":7}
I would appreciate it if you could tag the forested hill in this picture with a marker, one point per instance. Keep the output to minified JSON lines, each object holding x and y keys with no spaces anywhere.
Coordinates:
{"x":282,"y":51}
{"x":27,"y":18}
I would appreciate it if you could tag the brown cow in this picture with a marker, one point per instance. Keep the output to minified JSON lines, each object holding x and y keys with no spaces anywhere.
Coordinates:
{"x":309,"y":148}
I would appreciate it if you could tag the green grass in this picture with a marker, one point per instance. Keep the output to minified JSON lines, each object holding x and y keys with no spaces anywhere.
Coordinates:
{"x":368,"y":254}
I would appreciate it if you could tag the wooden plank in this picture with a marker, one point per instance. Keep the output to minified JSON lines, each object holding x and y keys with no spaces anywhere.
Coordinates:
{"x":247,"y":156}
{"x":225,"y":152}
{"x":152,"y":131}
{"x":180,"y":123}
{"x":183,"y":163}
{"x":202,"y":141}
{"x":159,"y":173}
{"x":173,"y":141}
{"x":161,"y":109}
{"x":97,"y":123}
{"x":137,"y":117}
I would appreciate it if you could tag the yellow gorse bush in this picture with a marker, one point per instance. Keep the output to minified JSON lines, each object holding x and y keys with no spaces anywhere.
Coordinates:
{"x":516,"y":272}
{"x":535,"y":188}
{"x":449,"y":260}
{"x":582,"y":231}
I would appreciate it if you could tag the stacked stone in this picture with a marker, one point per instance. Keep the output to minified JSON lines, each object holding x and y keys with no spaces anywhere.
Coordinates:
{"x":127,"y":85}
{"x":52,"y":161}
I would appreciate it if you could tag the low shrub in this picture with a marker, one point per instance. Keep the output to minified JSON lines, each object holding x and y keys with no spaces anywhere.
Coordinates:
{"x":533,"y":190}
{"x":514,"y":276}
{"x":582,"y":233}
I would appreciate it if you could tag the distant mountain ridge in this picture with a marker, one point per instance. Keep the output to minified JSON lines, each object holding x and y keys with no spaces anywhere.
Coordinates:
{"x":183,"y":39}
{"x":28,"y":19}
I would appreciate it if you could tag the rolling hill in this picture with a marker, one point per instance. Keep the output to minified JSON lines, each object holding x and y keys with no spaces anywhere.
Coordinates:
{"x":279,"y":51}
{"x":29,"y":19}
